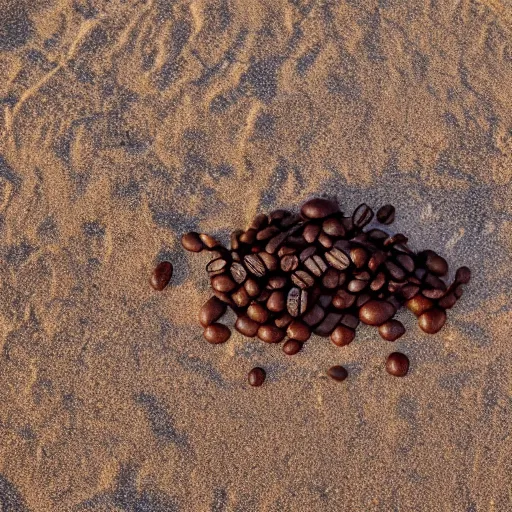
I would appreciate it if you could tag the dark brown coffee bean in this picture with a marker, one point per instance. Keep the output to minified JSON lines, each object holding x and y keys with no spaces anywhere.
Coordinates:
{"x":216,"y":266}
{"x":343,"y":245}
{"x":235,"y":244}
{"x":337,"y":259}
{"x":392,"y":330}
{"x":432,"y":320}
{"x":362,"y":215}
{"x":325,"y":240}
{"x":311,"y":232}
{"x":256,"y":377}
{"x":192,"y":242}
{"x":269,"y":260}
{"x":399,"y":238}
{"x":296,"y":302}
{"x":343,"y":299}
{"x":325,"y":301}
{"x":209,"y":241}
{"x":223,"y":283}
{"x":267,"y":233}
{"x":292,"y":347}
{"x":276,"y":302}
{"x":342,"y":335}
{"x":362,"y":276}
{"x":395,"y":301}
{"x":270,"y":333}
{"x":397,"y":364}
{"x":356,"y":285}
{"x":377,"y":235}
{"x":434,"y":282}
{"x":396,"y":286}
{"x":284,"y":320}
{"x":263,"y":296}
{"x":386,"y":214}
{"x":337,"y":373}
{"x":434,"y":263}
{"x":314,"y":315}
{"x":463,"y":275}
{"x":363,"y":299}
{"x":420,"y":273}
{"x":289,"y":221}
{"x":224,"y":297}
{"x":211,"y":311}
{"x":275,"y":242}
{"x":238,"y":272}
{"x":333,"y":227}
{"x":255,"y":265}
{"x":319,"y":208}
{"x":378,"y":282}
{"x":260,"y":221}
{"x":316,"y":265}
{"x":395,"y":271}
{"x":328,"y":324}
{"x":216,"y":333}
{"x":249,"y":236}
{"x":247,"y":326}
{"x":349,"y":320}
{"x":257,"y":313}
{"x":298,"y":331}
{"x":433,"y":293}
{"x":302,"y":279}
{"x":276,"y":282}
{"x":458,"y":292}
{"x":277,"y":216}
{"x":359,"y":256}
{"x":161,"y":275}
{"x":235,"y":256}
{"x":419,"y":304}
{"x":347,"y":224}
{"x":406,"y":262}
{"x":331,"y":278}
{"x":409,"y":291}
{"x":289,"y":263}
{"x":448,"y":301}
{"x":376,"y":312}
{"x":285,"y":250}
{"x":376,"y":260}
{"x":307,"y":253}
{"x":414,"y":280}
{"x":241,"y":297}
{"x":252,"y":287}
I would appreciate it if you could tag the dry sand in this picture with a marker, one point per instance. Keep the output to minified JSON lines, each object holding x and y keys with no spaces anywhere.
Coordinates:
{"x":126,"y":123}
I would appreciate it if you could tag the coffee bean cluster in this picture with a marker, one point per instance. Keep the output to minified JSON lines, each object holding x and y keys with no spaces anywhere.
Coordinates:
{"x":320,"y":271}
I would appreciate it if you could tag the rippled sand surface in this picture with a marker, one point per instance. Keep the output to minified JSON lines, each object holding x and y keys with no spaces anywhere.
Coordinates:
{"x":126,"y":123}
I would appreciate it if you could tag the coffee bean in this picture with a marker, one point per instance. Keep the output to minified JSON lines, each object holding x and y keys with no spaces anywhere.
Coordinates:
{"x":349,"y":320}
{"x":376,"y":312}
{"x":406,"y":262}
{"x":386,"y":214}
{"x":409,"y":291}
{"x":277,"y":215}
{"x":377,"y":235}
{"x":432,"y":320}
{"x":255,"y":265}
{"x":211,"y":311}
{"x":325,"y":301}
{"x":419,"y":304}
{"x":284,"y":320}
{"x":234,"y":243}
{"x":434,"y":282}
{"x":192,"y":242}
{"x":396,"y":286}
{"x":347,"y":224}
{"x":235,"y":256}
{"x":362,"y":239}
{"x":302,"y":279}
{"x":463,"y":275}
{"x":296,"y":302}
{"x":247,"y":326}
{"x":414,"y":280}
{"x":333,"y":227}
{"x":276,"y":302}
{"x":397,"y":364}
{"x":399,"y":238}
{"x":362,"y":275}
{"x":256,"y":377}
{"x":298,"y":331}
{"x":311,"y":232}
{"x":363,"y":299}
{"x":252,"y":287}
{"x":223,"y":283}
{"x":378,"y":282}
{"x":289,"y":263}
{"x":337,"y":373}
{"x":325,"y":240}
{"x":359,"y":256}
{"x":224,"y":297}
{"x":238,"y":272}
{"x":458,"y":292}
{"x":316,"y":265}
{"x":292,"y":347}
{"x":307,"y":253}
{"x":420,"y":273}
{"x":395,"y":301}
{"x":342,"y":336}
{"x":241,"y":297}
{"x":269,"y":260}
{"x":216,"y":266}
{"x":448,"y":301}
{"x":216,"y":333}
{"x":275,"y":242}
{"x":291,"y":220}
{"x":314,"y":315}
{"x":267,"y":233}
{"x":355,"y":286}
{"x":343,"y":299}
{"x":337,"y":259}
{"x":392,"y":330}
{"x":319,"y":208}
{"x":276,"y":282}
{"x":434,"y":263}
{"x":376,"y":260}
{"x":270,"y":333}
{"x":209,"y":241}
{"x":331,"y":278}
{"x":259,"y":221}
{"x":328,"y":324}
{"x":362,"y":215}
{"x":248,"y":237}
{"x":263,"y":296}
{"x":257,"y":313}
{"x":161,"y":275}
{"x":433,"y":293}
{"x":285,"y":250}
{"x":395,"y":271}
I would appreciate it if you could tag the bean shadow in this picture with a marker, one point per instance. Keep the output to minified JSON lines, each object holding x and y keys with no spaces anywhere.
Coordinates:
{"x":10,"y":498}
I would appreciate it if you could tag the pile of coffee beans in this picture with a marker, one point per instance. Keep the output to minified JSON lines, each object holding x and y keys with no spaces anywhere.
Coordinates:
{"x":320,"y":271}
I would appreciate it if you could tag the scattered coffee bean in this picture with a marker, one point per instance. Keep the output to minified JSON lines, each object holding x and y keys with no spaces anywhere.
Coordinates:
{"x":337,"y":373}
{"x":285,"y":250}
{"x":356,"y":285}
{"x":331,"y":278}
{"x":350,"y":320}
{"x":238,"y":272}
{"x":216,"y":333}
{"x":363,"y":214}
{"x":316,"y":265}
{"x":333,"y":227}
{"x":406,"y":262}
{"x":359,"y":256}
{"x":284,"y":320}
{"x":277,"y":216}
{"x":224,"y":297}
{"x":377,"y":235}
{"x":298,"y":331}
{"x":397,"y":364}
{"x":463,"y":275}
{"x":216,"y":266}
{"x":249,"y":236}
{"x":343,"y":299}
{"x":276,"y":282}
{"x":399,"y":238}
{"x":223,"y":283}
{"x":448,"y":301}
{"x":419,"y":304}
{"x":267,"y":233}
{"x":337,"y":259}
{"x":276,"y":302}
{"x":458,"y":292}
{"x":378,"y":282}
{"x":433,"y":293}
{"x":325,"y":240}
{"x":362,"y":299}
{"x":269,"y":260}
{"x":302,"y":279}
{"x":296,"y":302}
{"x":270,"y":333}
{"x":432,"y":321}
{"x":259,"y":221}
{"x":377,"y":259}
{"x":376,"y":312}
{"x":395,"y":271}
{"x":209,"y":241}
{"x":256,"y":377}
{"x":192,"y":242}
{"x":325,"y":301}
{"x":161,"y":276}
{"x":241,"y":297}
{"x":292,"y":347}
{"x":314,"y":315}
{"x":255,"y":265}
{"x":252,"y":287}
{"x":392,"y":330}
{"x":211,"y":311}
{"x":319,"y":208}
{"x":434,"y":263}
{"x":328,"y":324}
{"x":342,"y":335}
{"x":247,"y":326}
{"x":257,"y":313}
{"x":275,"y":242}
{"x":409,"y":291}
{"x":311,"y":232}
{"x":386,"y":214}
{"x":289,"y":263}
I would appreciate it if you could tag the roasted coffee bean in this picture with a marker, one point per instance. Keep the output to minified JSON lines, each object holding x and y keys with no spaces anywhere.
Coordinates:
{"x":356,"y":285}
{"x":348,"y":224}
{"x":420,"y":273}
{"x":256,"y":377}
{"x":314,"y":315}
{"x":276,"y":282}
{"x":333,"y":227}
{"x":291,"y":220}
{"x":392,"y":330}
{"x":434,"y":282}
{"x":395,"y":301}
{"x":276,"y":216}
{"x":395,"y":271}
{"x":238,"y":272}
{"x":396,"y":286}
{"x":343,"y":299}
{"x":302,"y":279}
{"x":376,"y":312}
{"x":349,"y":320}
{"x":269,"y":260}
{"x":378,"y":282}
{"x":432,"y":320}
{"x":263,"y":296}
{"x":325,"y":301}
{"x":343,"y":245}
{"x":414,"y":280}
{"x":448,"y":301}
{"x":418,"y":304}
{"x":331,"y":279}
{"x":216,"y":266}
{"x":223,"y":283}
{"x":434,"y":263}
{"x":397,"y":364}
{"x":192,"y":242}
{"x":241,"y":297}
{"x":433,"y":293}
{"x":296,"y":302}
{"x":386,"y":214}
{"x":406,"y":262}
{"x":235,"y":244}
{"x":409,"y":291}
{"x":247,"y":326}
{"x":252,"y":287}
{"x":328,"y":324}
{"x":307,"y":253}
{"x":325,"y":240}
{"x":259,"y":221}
{"x":363,"y":299}
{"x":337,"y":259}
{"x":458,"y":292}
{"x":377,"y":235}
{"x":319,"y":208}
{"x":209,"y":241}
{"x":285,"y":250}
{"x":403,"y":249}
{"x":270,"y":333}
{"x":248,"y":237}
{"x":276,"y":302}
{"x":284,"y":320}
{"x":216,"y":333}
{"x":316,"y":265}
{"x":376,"y":260}
{"x":342,"y":335}
{"x":224,"y":297}
{"x":298,"y":331}
{"x":463,"y":275}
{"x":257,"y":313}
{"x":267,"y":233}
{"x":311,"y":232}
{"x":211,"y":311}
{"x":275,"y":242}
{"x":255,"y":265}
{"x":362,"y":276}
{"x":362,"y":216}
{"x":289,"y":263}
{"x":292,"y":347}
{"x":161,"y":275}
{"x":235,"y":256}
{"x":337,"y":373}
{"x":399,"y":238}
{"x":359,"y":256}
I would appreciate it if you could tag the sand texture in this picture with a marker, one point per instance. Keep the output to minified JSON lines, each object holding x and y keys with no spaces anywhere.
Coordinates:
{"x":124,"y":124}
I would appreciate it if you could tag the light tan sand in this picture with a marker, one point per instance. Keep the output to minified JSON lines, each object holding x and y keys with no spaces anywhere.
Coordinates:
{"x":126,"y":123}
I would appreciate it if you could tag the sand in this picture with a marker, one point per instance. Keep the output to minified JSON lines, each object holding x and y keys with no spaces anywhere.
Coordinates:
{"x":125,"y":124}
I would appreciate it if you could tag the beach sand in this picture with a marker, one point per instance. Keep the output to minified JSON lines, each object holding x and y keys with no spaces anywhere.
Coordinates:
{"x":125,"y":124}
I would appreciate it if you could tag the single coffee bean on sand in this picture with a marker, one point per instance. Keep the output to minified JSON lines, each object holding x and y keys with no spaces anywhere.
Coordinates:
{"x":161,"y":276}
